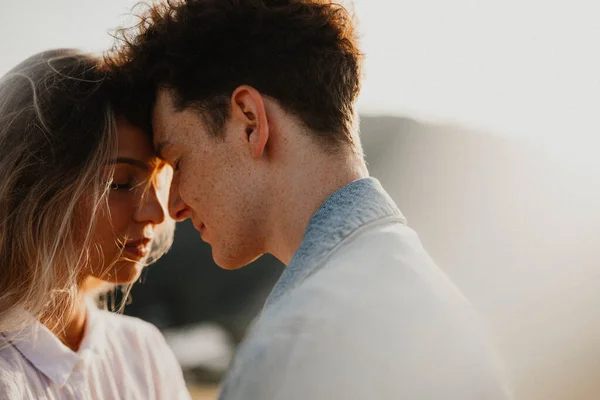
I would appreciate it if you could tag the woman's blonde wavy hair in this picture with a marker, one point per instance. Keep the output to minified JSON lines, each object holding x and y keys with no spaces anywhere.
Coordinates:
{"x":57,"y":137}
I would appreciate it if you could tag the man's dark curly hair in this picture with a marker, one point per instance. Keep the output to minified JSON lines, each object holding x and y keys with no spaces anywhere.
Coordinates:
{"x":302,"y":53}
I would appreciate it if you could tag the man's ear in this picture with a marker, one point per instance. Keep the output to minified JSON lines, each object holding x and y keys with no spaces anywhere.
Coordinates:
{"x":248,"y":110}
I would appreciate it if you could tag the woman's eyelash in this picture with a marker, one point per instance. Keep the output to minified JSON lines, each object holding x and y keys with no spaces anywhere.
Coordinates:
{"x":176,"y":165}
{"x":121,"y":186}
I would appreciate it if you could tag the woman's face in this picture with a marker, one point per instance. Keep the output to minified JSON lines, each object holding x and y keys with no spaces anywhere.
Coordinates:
{"x":136,"y":207}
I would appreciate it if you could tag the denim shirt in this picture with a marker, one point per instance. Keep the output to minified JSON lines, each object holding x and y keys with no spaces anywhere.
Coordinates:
{"x":351,"y":207}
{"x":362,"y":312}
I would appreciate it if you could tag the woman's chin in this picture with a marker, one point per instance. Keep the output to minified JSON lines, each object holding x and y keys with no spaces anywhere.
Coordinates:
{"x":130,"y":272}
{"x":125,"y":272}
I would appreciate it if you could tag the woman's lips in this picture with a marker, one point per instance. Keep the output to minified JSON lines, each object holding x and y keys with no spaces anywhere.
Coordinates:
{"x":138,"y":248}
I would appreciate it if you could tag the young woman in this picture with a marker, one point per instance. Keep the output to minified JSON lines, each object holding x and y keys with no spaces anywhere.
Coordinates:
{"x":82,"y":198}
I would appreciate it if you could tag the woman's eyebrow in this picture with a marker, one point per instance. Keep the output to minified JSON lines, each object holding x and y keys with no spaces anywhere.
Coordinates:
{"x":131,"y":161}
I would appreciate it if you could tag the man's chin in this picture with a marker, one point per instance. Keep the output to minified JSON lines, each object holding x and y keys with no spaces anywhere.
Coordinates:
{"x":231,"y":262}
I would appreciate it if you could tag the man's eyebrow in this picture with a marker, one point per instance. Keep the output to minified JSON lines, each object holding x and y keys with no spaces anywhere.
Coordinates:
{"x":131,"y":161}
{"x":161,"y":147}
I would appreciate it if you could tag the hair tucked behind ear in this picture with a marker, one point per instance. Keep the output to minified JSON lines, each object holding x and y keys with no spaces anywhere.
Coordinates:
{"x":57,"y":135}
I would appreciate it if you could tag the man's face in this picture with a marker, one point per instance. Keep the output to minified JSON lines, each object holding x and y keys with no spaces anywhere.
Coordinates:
{"x":216,"y":182}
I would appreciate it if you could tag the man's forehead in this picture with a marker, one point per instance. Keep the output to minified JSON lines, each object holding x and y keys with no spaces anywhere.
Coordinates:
{"x":163,"y":107}
{"x":165,"y":98}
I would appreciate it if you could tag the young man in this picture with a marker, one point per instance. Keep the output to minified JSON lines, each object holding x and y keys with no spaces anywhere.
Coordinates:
{"x":252,"y":102}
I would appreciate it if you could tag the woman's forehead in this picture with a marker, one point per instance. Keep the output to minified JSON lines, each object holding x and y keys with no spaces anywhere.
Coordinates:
{"x":133,"y":142}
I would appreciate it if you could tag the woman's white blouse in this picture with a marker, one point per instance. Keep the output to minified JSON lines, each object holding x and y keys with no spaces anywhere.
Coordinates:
{"x":120,"y":358}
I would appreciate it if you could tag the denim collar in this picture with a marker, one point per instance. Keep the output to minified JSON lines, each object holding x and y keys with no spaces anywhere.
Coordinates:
{"x":354,"y":205}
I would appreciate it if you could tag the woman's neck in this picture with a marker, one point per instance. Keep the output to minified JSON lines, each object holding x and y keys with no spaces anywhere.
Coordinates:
{"x":72,"y":332}
{"x":70,"y":329}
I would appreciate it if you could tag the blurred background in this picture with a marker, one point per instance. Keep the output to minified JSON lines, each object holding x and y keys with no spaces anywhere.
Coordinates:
{"x":481,"y":118}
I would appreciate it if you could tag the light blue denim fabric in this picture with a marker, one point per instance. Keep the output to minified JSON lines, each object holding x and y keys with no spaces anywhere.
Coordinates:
{"x":362,"y":312}
{"x":354,"y":205}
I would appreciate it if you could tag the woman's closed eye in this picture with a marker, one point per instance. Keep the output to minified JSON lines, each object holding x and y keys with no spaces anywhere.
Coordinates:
{"x":123,"y":180}
{"x":121,"y":186}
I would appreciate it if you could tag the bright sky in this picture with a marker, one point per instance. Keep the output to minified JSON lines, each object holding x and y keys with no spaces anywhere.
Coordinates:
{"x":520,"y":67}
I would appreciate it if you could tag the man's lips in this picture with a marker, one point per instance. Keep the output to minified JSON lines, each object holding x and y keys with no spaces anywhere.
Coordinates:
{"x":200,"y":227}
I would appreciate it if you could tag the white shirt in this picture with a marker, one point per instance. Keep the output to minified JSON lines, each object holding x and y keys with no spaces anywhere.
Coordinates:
{"x":120,"y":357}
{"x":362,"y":312}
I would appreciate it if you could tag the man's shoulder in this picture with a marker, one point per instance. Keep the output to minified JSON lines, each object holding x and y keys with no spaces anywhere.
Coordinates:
{"x":382,"y":292}
{"x":380,"y":239}
{"x":378,"y":243}
{"x":384,"y":262}
{"x":377,"y":300}
{"x":381,"y":278}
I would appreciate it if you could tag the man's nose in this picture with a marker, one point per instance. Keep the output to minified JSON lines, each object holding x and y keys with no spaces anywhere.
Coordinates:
{"x":178,"y":209}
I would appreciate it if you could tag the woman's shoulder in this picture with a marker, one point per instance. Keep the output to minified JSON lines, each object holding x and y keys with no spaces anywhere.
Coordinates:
{"x":12,"y":374}
{"x":127,"y":325}
{"x":129,"y":334}
{"x":126,"y":334}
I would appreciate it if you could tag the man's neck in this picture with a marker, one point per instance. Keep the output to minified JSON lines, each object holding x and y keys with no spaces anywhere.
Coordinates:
{"x":306,"y":187}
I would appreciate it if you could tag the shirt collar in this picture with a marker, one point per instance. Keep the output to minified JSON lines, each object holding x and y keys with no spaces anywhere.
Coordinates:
{"x":48,"y":354}
{"x":354,"y":205}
